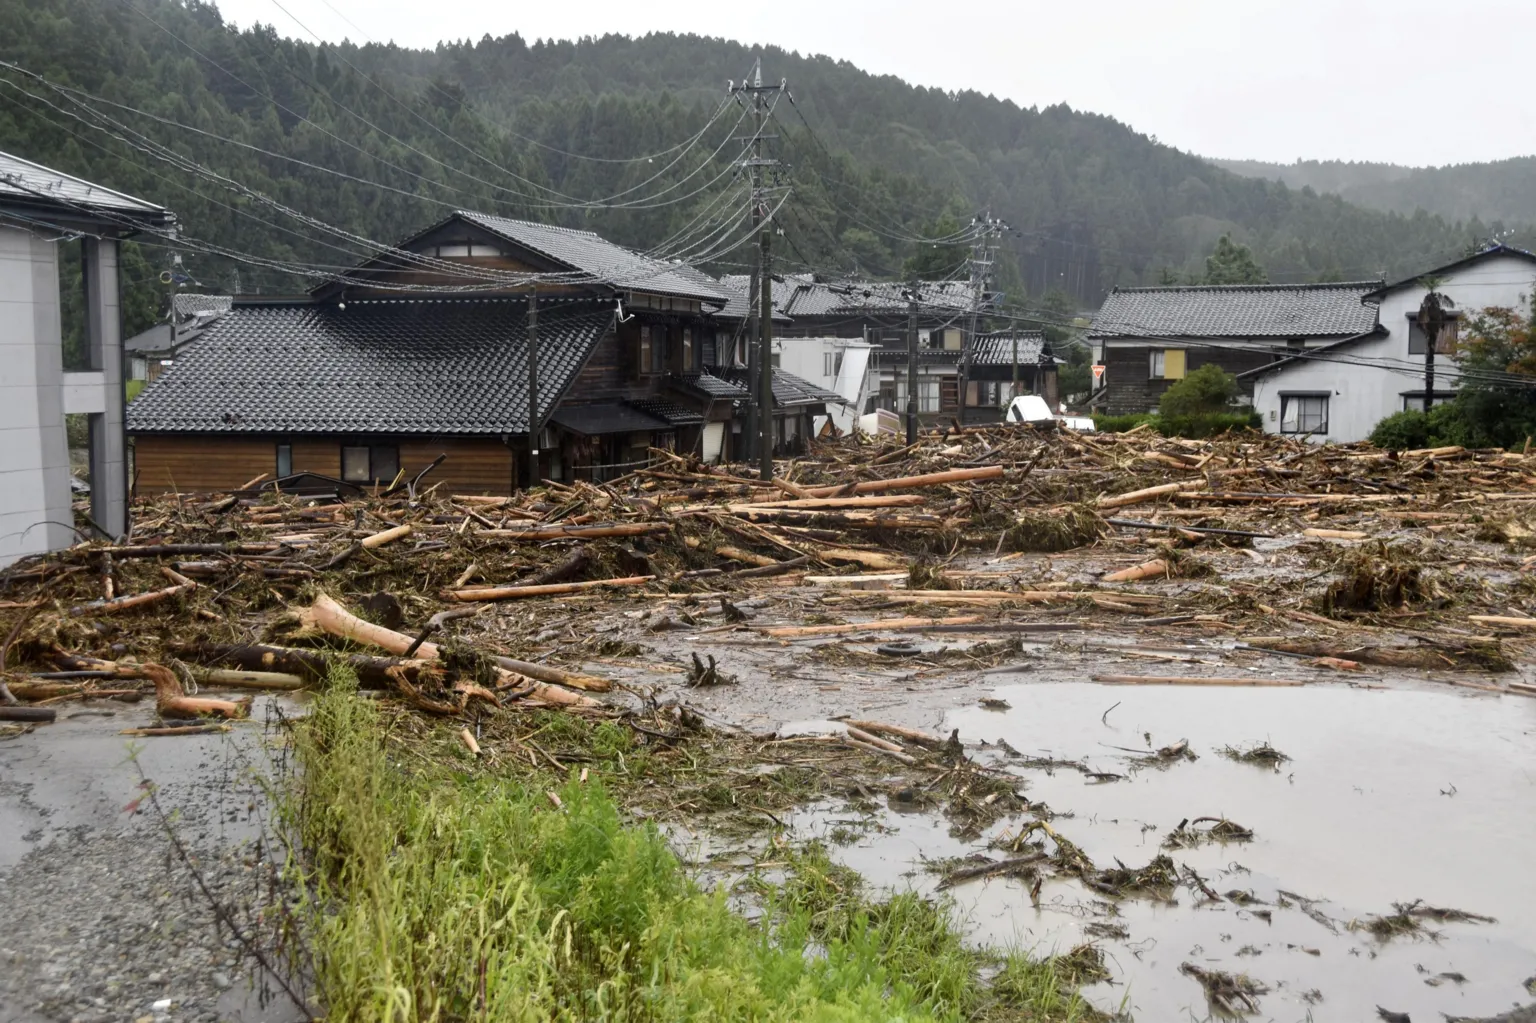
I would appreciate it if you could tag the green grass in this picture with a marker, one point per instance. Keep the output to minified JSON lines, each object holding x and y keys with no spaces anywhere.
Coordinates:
{"x":430,"y":895}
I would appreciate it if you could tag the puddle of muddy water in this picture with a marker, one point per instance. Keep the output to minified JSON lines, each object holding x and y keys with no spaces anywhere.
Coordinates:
{"x":1389,"y":796}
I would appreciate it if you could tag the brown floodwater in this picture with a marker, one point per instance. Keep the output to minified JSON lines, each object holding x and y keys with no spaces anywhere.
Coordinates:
{"x":1391,"y":795}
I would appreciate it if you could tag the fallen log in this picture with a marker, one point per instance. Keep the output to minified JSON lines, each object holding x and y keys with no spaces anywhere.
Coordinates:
{"x":831,"y":519}
{"x":933,"y":479}
{"x":11,"y":713}
{"x":1148,"y":494}
{"x":573,"y":565}
{"x":1503,"y":621}
{"x":1154,"y":569}
{"x":910,"y":734}
{"x":824,"y":503}
{"x":1335,"y":534}
{"x":1135,"y":524}
{"x":172,"y":701}
{"x":1442,"y":656}
{"x":1190,"y":680}
{"x":265,"y":680}
{"x":176,"y":730}
{"x":883,"y":625}
{"x":773,"y":568}
{"x":308,"y":665}
{"x":329,"y":616}
{"x":593,"y":530}
{"x":478,"y":593}
{"x":745,"y":557}
{"x":993,"y":869}
{"x":872,"y":560}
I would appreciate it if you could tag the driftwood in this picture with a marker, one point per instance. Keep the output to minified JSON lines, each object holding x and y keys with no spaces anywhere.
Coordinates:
{"x":173,"y":702}
{"x":931,"y":479}
{"x":553,"y":589}
{"x":1335,"y":534}
{"x":1447,"y":656}
{"x":573,"y":565}
{"x":266,"y":680}
{"x":310,"y":665}
{"x":1148,"y":494}
{"x":119,"y":604}
{"x":331,"y":617}
{"x":993,"y":869}
{"x":887,"y":624}
{"x":13,"y":713}
{"x":745,"y":557}
{"x":592,"y":531}
{"x":1154,"y":569}
{"x":176,"y":730}
{"x":910,"y":734}
{"x":1190,"y":680}
{"x":772,"y":568}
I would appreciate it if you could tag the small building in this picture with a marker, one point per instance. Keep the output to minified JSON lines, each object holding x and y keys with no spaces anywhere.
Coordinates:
{"x":152,"y":351}
{"x":1152,"y":337}
{"x":1339,"y":392}
{"x":38,"y":208}
{"x":1003,"y":365}
{"x":836,"y":366}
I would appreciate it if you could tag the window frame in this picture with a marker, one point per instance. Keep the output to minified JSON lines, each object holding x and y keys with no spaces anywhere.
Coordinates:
{"x":372,"y":451}
{"x":1157,"y":363}
{"x":1417,"y":336}
{"x":645,"y":342}
{"x":283,"y":452}
{"x":1286,"y":397}
{"x":690,"y":351}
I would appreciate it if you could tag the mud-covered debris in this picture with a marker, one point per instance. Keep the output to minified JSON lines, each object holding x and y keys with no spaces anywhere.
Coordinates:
{"x":1083,"y":965}
{"x":993,"y":703}
{"x":701,"y":674}
{"x":1446,"y":977}
{"x":1157,"y":879}
{"x":1261,"y":755}
{"x":1203,"y":830}
{"x":1393,"y":1017}
{"x":1229,"y":994}
{"x":1407,"y":920}
{"x":1375,"y":580}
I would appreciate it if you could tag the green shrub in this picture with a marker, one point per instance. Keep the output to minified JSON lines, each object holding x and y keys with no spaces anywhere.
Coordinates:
{"x":1402,"y":431}
{"x":1120,"y":424}
{"x":1207,"y":389}
{"x":1208,"y":424}
{"x":1201,"y":424}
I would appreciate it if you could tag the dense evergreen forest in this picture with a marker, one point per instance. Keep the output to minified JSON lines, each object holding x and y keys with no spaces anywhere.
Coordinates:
{"x":286,"y":160}
{"x":1498,"y":191}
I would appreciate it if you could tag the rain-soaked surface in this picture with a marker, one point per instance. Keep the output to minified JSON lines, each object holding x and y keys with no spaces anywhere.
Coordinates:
{"x":1390,"y":796}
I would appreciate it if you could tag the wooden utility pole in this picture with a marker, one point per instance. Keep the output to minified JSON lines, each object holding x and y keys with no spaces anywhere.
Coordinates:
{"x":912,"y":365}
{"x":765,"y":360}
{"x":535,"y":424}
{"x":760,"y":313}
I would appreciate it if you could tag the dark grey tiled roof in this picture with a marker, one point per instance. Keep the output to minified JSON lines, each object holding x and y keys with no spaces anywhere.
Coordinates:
{"x":25,"y":183}
{"x":997,"y":349}
{"x":1238,"y":311}
{"x":709,"y":385}
{"x":611,"y":417}
{"x":592,"y":254}
{"x":789,"y":389}
{"x":669,"y":412}
{"x":374,"y":366}
{"x":810,"y":297}
{"x":739,"y":288}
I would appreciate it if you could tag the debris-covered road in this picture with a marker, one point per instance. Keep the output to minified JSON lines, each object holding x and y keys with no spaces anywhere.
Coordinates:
{"x":1071,"y":604}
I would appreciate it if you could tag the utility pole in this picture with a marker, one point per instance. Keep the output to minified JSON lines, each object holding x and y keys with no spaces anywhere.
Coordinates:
{"x":765,"y":361}
{"x":912,"y":364}
{"x":1014,"y":393}
{"x":759,"y":418}
{"x":980,"y":263}
{"x":535,"y":427}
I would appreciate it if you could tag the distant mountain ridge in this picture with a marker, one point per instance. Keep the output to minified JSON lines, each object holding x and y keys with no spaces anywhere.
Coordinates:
{"x":1502,"y":191}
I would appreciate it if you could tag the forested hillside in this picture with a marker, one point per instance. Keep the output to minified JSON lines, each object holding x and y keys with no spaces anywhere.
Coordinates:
{"x":1500,"y":191}
{"x":240,"y":132}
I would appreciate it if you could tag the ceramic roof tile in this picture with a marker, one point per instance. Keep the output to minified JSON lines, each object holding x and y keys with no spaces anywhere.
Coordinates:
{"x":1238,"y":311}
{"x":371,"y":366}
{"x":606,"y":262}
{"x":997,"y":349}
{"x":669,"y":412}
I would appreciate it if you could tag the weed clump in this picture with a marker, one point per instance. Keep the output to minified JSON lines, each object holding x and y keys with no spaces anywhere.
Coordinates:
{"x":1374,"y":581}
{"x":1190,"y":833}
{"x":1228,"y":994}
{"x":1262,"y":755}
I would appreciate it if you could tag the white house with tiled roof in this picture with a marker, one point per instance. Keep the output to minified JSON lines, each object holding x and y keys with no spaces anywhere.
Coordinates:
{"x":1339,"y":392}
{"x":1153,"y":337}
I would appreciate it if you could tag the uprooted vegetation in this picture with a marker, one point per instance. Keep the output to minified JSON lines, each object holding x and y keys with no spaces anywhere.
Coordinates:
{"x":1205,"y":830}
{"x":1407,"y":919}
{"x":1229,"y":995}
{"x":1260,"y":755}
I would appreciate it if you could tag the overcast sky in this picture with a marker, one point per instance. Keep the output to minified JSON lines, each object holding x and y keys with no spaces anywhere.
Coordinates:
{"x":1405,"y":81}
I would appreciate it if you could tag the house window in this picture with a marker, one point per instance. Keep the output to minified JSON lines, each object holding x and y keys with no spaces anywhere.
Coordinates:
{"x":284,"y":460}
{"x":645,"y":349}
{"x":688,"y":364}
{"x":659,"y":351}
{"x":1166,"y":364}
{"x":377,"y":463}
{"x":777,"y":358}
{"x":1413,"y":401}
{"x":1418,"y":344}
{"x":1304,"y":413}
{"x":831,"y":364}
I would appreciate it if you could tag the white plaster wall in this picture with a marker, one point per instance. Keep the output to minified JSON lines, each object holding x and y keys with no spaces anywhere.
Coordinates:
{"x":35,"y":514}
{"x":1363,"y":395}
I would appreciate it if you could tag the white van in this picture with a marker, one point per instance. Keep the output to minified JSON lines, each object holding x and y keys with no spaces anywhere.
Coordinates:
{"x":1031,"y":408}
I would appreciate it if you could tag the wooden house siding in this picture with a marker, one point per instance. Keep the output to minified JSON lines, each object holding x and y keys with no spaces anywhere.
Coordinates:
{"x":200,"y":463}
{"x":606,"y":376}
{"x":1129,"y":387}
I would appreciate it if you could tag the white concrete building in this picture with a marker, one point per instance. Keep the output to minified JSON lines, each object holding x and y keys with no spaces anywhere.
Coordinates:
{"x":39,"y":208}
{"x":1340,"y":392}
{"x":837,"y":364}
